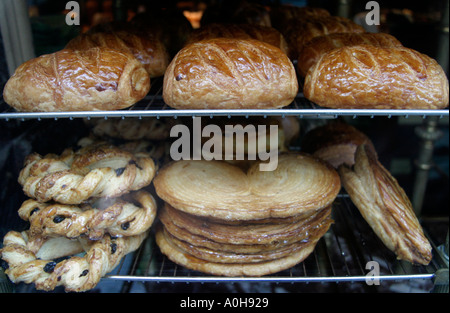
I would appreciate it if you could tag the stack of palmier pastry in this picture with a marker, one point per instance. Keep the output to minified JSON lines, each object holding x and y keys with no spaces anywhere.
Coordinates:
{"x":87,"y":209}
{"x":222,"y":220}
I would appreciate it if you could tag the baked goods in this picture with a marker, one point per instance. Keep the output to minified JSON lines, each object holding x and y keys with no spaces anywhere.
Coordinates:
{"x":67,"y":80}
{"x":282,"y":16}
{"x":130,"y":129}
{"x":245,"y":224}
{"x":385,"y":207}
{"x":146,"y":48}
{"x":273,"y":265}
{"x":126,"y":216}
{"x":369,"y":77}
{"x":294,"y":187}
{"x":225,"y":73}
{"x":74,"y":246}
{"x":90,"y":172}
{"x":300,"y":32}
{"x":239,"y":31}
{"x":75,"y":273}
{"x":241,"y":236}
{"x":336,"y":143}
{"x":316,"y":47}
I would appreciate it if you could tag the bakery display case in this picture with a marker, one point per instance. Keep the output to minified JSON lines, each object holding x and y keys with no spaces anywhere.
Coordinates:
{"x":349,"y":257}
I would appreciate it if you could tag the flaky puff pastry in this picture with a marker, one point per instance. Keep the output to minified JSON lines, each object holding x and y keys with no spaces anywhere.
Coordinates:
{"x":336,"y":142}
{"x":226,"y":73}
{"x":370,"y":77}
{"x":216,"y":189}
{"x":76,"y":273}
{"x":385,"y":207}
{"x":146,"y":48}
{"x":240,"y":31}
{"x":313,"y":49}
{"x":67,"y":80}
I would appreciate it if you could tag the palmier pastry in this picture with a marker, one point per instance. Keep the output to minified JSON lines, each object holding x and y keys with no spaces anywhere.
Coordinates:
{"x":147,"y":49}
{"x":316,"y":47}
{"x":225,"y":73}
{"x":85,"y":80}
{"x":243,"y":236}
{"x":385,"y":207}
{"x":336,"y":143}
{"x":90,"y":172}
{"x":76,"y":273}
{"x":300,"y":183}
{"x":115,"y":217}
{"x":181,"y":257}
{"x":370,"y":77}
{"x":240,"y":31}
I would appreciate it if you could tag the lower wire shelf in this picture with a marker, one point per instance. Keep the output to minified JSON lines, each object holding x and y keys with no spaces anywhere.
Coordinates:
{"x":342,"y":255}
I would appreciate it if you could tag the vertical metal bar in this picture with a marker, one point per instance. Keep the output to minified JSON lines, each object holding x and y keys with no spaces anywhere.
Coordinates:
{"x":428,"y":133}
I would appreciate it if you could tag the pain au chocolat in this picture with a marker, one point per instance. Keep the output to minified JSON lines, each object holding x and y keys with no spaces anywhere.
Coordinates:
{"x":370,"y":77}
{"x":145,"y":47}
{"x":316,"y":47}
{"x":227,"y":73}
{"x":68,"y":80}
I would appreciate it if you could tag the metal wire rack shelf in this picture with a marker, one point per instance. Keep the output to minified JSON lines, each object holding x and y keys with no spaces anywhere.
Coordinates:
{"x":153,"y":106}
{"x":340,"y":256}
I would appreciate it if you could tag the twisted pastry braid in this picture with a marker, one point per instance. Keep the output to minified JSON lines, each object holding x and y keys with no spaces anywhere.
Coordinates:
{"x":76,"y":273}
{"x":91,"y":172}
{"x":116,"y":217}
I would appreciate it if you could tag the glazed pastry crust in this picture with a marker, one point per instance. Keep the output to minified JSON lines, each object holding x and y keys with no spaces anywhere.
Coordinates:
{"x":179,"y":256}
{"x":301,"y":183}
{"x":316,"y":47}
{"x":116,"y":217}
{"x":240,"y":31}
{"x":301,"y":32}
{"x":67,"y":80}
{"x":76,"y":273}
{"x":225,"y":73}
{"x":147,"y":49}
{"x":369,"y":77}
{"x":242,"y":237}
{"x":385,"y":207}
{"x":90,"y":172}
{"x":336,"y":143}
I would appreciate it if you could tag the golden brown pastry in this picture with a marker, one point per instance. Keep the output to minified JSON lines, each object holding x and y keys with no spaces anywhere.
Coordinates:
{"x":300,"y":32}
{"x":67,"y":80}
{"x":128,"y":216}
{"x":284,"y":15}
{"x":300,"y":183}
{"x":313,"y":50}
{"x":385,"y":207}
{"x":245,"y":235}
{"x":336,"y":143}
{"x":181,"y":257}
{"x":147,"y":49}
{"x":369,"y":77}
{"x":130,"y":129}
{"x":76,"y":273}
{"x":225,"y":73}
{"x":90,"y":172}
{"x":239,"y":31}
